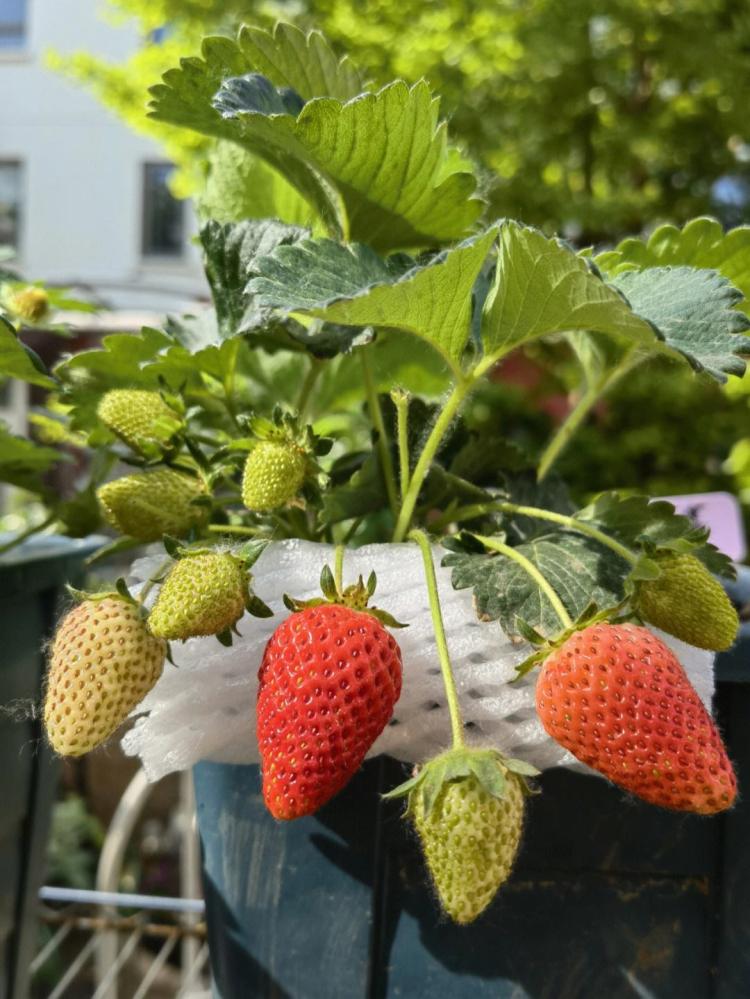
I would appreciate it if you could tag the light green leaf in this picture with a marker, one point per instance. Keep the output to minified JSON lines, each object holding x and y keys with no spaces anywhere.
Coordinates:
{"x":693,"y":313}
{"x":289,"y":58}
{"x":578,"y":569}
{"x":542,"y":287}
{"x":376,"y":168}
{"x":701,"y":243}
{"x":351,"y":285}
{"x":22,"y":462}
{"x":241,"y":186}
{"x":17,"y":361}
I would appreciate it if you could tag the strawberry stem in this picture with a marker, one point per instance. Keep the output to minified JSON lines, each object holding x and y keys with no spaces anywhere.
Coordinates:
{"x":457,"y":725}
{"x":512,"y":553}
{"x":475,"y":510}
{"x":376,"y":415}
{"x":338,"y":568}
{"x":401,"y":402}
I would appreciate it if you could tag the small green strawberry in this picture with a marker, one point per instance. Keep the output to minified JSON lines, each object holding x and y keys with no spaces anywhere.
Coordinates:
{"x":138,"y":417}
{"x":205,"y":593}
{"x":30,"y":304}
{"x":467,"y":806}
{"x":104,"y":661}
{"x":275,"y":471}
{"x":687,"y":602}
{"x":148,"y":505}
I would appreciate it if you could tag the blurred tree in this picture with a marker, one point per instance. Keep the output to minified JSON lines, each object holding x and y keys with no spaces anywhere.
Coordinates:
{"x":594,"y":118}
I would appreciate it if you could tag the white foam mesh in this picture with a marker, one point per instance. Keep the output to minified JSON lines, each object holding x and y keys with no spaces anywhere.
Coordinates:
{"x":205,"y":708}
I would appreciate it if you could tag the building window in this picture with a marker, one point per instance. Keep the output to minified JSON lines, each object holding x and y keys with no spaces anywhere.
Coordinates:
{"x":163,"y":214}
{"x":10,"y":203}
{"x":12,"y":24}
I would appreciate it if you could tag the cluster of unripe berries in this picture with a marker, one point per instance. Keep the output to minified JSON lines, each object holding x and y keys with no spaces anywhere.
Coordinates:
{"x":612,"y":693}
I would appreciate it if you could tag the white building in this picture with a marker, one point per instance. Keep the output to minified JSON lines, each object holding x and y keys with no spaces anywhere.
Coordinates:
{"x":82,"y":198}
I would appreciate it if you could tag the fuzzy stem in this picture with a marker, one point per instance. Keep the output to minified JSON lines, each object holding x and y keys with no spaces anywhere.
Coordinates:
{"x":401,"y":402}
{"x":439,"y":430}
{"x":457,"y":725}
{"x":338,"y":568}
{"x":572,"y":523}
{"x":316,"y":367}
{"x":234,"y":529}
{"x":512,"y":553}
{"x":152,"y":581}
{"x":566,"y":431}
{"x":28,"y":533}
{"x":376,"y":415}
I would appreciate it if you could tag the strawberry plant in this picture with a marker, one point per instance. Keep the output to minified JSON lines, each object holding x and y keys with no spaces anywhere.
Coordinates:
{"x":361,"y":299}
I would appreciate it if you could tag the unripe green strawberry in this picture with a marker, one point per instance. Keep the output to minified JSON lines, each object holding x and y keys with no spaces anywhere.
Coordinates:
{"x":30,"y":304}
{"x":204,"y":594}
{"x":470,"y":840}
{"x":687,"y":602}
{"x":104,"y":661}
{"x":274,"y":474}
{"x":148,"y":505}
{"x":136,"y":415}
{"x":467,"y":806}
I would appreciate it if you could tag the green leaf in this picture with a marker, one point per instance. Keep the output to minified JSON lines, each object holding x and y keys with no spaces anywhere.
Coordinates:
{"x":701,"y":243}
{"x":577,"y":568}
{"x":353,"y":286}
{"x":376,"y":168}
{"x":641,"y":523}
{"x":693,"y":312}
{"x":17,"y":361}
{"x":363,"y":493}
{"x":541,"y":287}
{"x":230,"y":254}
{"x":241,"y":186}
{"x":306,"y":63}
{"x":23,"y":463}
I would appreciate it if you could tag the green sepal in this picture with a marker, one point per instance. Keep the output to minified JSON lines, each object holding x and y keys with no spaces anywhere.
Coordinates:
{"x":172,"y":546}
{"x":168,"y":656}
{"x":120,"y":592}
{"x":355,"y":596}
{"x":225,"y":637}
{"x":251,"y":551}
{"x":592,"y":614}
{"x":256,"y":606}
{"x":488,"y":766}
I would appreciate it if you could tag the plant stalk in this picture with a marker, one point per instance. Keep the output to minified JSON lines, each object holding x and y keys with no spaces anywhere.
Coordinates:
{"x":451,"y":693}
{"x":539,"y":513}
{"x":338,"y":568}
{"x":443,"y":422}
{"x":401,"y":402}
{"x":316,"y":367}
{"x":376,"y":415}
{"x":28,"y":533}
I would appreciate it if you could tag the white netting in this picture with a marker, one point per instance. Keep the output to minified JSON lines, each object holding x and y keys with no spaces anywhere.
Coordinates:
{"x":205,"y":708}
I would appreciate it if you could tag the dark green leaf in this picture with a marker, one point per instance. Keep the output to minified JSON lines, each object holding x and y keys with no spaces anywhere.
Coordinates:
{"x":693,"y":312}
{"x":578,"y":569}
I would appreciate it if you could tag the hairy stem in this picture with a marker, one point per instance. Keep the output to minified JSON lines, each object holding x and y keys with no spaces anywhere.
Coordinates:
{"x":316,"y":367}
{"x":512,"y":553}
{"x":376,"y":415}
{"x":539,"y":513}
{"x":235,"y":529}
{"x":401,"y":402}
{"x":439,"y":430}
{"x":566,"y":431}
{"x":338,"y":568}
{"x":454,"y":708}
{"x":28,"y":533}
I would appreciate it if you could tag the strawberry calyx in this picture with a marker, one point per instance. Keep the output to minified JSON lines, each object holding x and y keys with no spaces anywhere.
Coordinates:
{"x":355,"y":596}
{"x":487,"y":765}
{"x":120,"y":592}
{"x":545,"y":645}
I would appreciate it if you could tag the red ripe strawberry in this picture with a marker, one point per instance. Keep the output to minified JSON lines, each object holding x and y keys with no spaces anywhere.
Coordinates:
{"x":619,"y":700}
{"x":329,"y":680}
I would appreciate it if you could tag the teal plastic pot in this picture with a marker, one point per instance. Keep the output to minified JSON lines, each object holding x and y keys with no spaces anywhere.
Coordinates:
{"x":610,"y":897}
{"x":32,"y":578}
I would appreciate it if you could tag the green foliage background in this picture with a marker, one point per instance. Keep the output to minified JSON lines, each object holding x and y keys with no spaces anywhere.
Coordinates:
{"x":596,"y":119}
